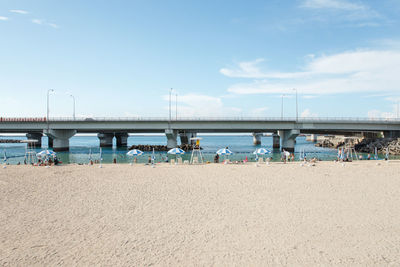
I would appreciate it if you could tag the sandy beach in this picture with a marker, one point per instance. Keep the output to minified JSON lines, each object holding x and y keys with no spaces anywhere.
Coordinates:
{"x":278,"y":214}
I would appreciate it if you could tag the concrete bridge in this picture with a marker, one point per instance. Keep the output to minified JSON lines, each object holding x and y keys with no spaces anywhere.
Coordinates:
{"x":284,"y":131}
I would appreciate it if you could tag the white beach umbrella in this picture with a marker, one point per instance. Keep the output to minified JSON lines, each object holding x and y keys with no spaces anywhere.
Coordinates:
{"x":224,"y":151}
{"x":262,"y":151}
{"x":46,"y":153}
{"x":176,"y":151}
{"x":135,"y":152}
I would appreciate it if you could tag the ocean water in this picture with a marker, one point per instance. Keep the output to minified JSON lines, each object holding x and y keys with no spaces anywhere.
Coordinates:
{"x":241,"y":145}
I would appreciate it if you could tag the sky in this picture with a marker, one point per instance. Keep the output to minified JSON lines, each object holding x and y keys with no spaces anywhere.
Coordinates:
{"x":221,"y":58}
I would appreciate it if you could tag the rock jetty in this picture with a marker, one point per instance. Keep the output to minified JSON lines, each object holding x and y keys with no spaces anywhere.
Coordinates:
{"x":185,"y":147}
{"x":368,"y":145}
{"x":10,"y":141}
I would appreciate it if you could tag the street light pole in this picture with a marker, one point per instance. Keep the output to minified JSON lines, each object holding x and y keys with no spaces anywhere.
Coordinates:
{"x":73,"y":113}
{"x":176,"y":106}
{"x":170,"y":92}
{"x":297,"y":110}
{"x":48,"y":110}
{"x":282,"y":107}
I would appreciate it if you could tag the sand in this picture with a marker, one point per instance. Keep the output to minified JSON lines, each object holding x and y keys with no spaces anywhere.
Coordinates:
{"x":280,"y":214}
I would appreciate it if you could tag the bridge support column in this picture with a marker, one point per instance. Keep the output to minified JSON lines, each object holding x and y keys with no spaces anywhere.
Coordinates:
{"x":257,"y":138}
{"x":106,"y":139}
{"x":35,"y":136}
{"x":122,"y":139}
{"x":391,"y":134}
{"x":61,"y":139}
{"x":185,"y":138}
{"x":288,"y":139}
{"x":50,"y":142}
{"x":276,"y":141}
{"x":370,"y":135}
{"x":314,"y":138}
{"x":171,"y":138}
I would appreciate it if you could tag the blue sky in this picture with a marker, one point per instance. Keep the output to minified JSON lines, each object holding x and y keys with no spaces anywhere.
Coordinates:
{"x":223,"y":58}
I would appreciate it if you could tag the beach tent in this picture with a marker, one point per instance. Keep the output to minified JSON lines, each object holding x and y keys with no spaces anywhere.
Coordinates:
{"x":176,"y":151}
{"x":134,"y":153}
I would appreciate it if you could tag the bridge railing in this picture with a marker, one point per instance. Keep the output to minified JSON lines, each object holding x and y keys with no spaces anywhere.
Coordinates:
{"x":237,"y":118}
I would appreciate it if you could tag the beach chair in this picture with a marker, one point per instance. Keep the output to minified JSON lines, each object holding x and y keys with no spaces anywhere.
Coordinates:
{"x":260,"y":160}
{"x":172,"y":161}
{"x":179,"y":160}
{"x":195,"y":160}
{"x":186,"y":162}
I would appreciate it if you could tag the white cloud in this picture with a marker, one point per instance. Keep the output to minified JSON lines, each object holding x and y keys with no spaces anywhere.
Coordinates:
{"x":309,"y":96}
{"x":260,"y":111}
{"x":308,"y":114}
{"x":53,"y":25}
{"x":332,"y":4}
{"x":37,"y":21}
{"x":343,"y":10}
{"x":352,"y":71}
{"x":377,"y":114}
{"x":19,"y":11}
{"x":3,"y":18}
{"x":201,"y":105}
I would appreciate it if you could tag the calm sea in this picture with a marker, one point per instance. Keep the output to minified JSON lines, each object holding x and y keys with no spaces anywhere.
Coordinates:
{"x":242,"y":146}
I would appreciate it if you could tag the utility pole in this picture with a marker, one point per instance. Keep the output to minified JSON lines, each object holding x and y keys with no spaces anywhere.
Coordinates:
{"x":170,"y":92}
{"x":73,"y":113}
{"x":297,"y":110}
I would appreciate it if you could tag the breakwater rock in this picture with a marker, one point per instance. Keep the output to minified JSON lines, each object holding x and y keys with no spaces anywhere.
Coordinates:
{"x":10,"y":141}
{"x":368,"y":145}
{"x":186,"y":147}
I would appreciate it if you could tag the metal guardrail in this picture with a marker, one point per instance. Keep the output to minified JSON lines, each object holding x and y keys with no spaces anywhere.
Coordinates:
{"x":166,"y":119}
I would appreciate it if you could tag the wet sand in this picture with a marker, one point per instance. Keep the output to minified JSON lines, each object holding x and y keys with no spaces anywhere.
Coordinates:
{"x":278,"y":214}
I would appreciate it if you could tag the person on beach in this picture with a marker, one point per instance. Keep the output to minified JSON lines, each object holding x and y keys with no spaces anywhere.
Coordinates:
{"x":369,"y":156}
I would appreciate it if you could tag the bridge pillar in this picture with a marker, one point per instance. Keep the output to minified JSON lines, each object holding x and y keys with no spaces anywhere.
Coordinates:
{"x":288,"y":139}
{"x":276,"y":141}
{"x":185,"y":137}
{"x":122,"y":139}
{"x":106,"y":139}
{"x":171,"y":138}
{"x":61,"y":139}
{"x":49,"y":142}
{"x":35,"y":136}
{"x":314,"y":138}
{"x":257,"y":138}
{"x":391,"y":134}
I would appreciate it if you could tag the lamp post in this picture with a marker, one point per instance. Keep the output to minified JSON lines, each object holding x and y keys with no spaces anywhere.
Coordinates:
{"x":176,"y":106}
{"x":283,"y":95}
{"x":170,"y":92}
{"x":48,"y":110}
{"x":297,"y":110}
{"x":73,"y":113}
